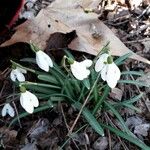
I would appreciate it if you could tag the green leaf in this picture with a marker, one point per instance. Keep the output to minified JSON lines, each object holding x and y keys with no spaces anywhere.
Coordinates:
{"x":138,"y":73}
{"x":133,"y":82}
{"x":131,"y":139}
{"x":121,"y":59}
{"x":48,"y":78}
{"x":29,"y":60}
{"x":40,"y":89}
{"x":132,"y":107}
{"x":133,"y":99}
{"x":101,"y":99}
{"x":90,"y":119}
{"x":86,"y":83}
{"x":116,"y":113}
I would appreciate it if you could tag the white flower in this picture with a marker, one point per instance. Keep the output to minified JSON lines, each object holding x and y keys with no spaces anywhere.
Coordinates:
{"x":18,"y":74}
{"x":8,"y":109}
{"x":43,"y":60}
{"x":79,"y":69}
{"x":109,"y":71}
{"x":28,"y":101}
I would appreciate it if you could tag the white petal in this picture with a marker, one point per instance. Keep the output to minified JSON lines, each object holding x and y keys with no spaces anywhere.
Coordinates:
{"x":7,"y":109}
{"x":87,"y":63}
{"x":4,"y":111}
{"x":20,"y":76}
{"x":104,"y":72}
{"x":26,"y":102}
{"x":21,"y":70}
{"x":48,"y":59}
{"x":11,"y":111}
{"x":41,"y":61}
{"x":116,"y":71}
{"x":100,"y":62}
{"x":79,"y":71}
{"x":113,"y":75}
{"x":33,"y":99}
{"x":13,"y":76}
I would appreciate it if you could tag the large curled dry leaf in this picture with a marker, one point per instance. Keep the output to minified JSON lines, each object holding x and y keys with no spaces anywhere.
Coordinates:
{"x":65,"y":16}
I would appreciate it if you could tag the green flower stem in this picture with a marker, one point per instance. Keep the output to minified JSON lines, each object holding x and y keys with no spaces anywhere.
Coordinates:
{"x":102,"y":98}
{"x":34,"y":48}
{"x":18,"y":65}
{"x":39,"y":84}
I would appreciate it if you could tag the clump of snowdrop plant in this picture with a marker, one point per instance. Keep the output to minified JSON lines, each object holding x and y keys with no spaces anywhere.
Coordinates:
{"x":85,"y":84}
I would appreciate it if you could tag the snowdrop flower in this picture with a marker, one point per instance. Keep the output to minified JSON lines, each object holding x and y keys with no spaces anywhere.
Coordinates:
{"x":17,"y":74}
{"x":8,"y":109}
{"x":28,"y":100}
{"x":80,"y":69}
{"x":109,"y":70}
{"x":43,"y":60}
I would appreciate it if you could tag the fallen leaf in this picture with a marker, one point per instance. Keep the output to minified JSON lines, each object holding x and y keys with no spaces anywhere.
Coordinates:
{"x":142,"y":129}
{"x":65,"y":16}
{"x":101,"y":143}
{"x":116,"y":93}
{"x":82,"y":138}
{"x":30,"y":146}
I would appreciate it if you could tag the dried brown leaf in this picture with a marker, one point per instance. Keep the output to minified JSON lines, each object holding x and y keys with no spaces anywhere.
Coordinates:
{"x":65,"y":16}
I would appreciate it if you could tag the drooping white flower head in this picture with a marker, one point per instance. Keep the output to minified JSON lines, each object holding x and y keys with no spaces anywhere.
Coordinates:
{"x":28,"y":101}
{"x":8,"y":109}
{"x":109,"y":70}
{"x":80,"y":69}
{"x":17,"y":74}
{"x":43,"y":60}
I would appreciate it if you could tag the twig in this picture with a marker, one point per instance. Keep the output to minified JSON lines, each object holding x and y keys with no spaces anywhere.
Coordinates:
{"x":136,"y":41}
{"x":67,"y":126}
{"x":137,"y":31}
{"x":72,"y":127}
{"x":144,"y":11}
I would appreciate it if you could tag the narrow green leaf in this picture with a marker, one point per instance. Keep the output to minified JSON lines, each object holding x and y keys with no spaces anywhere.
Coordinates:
{"x":90,"y":119}
{"x":86,"y":83}
{"x":131,"y":139}
{"x":116,"y":113}
{"x":48,"y":78}
{"x":40,"y":89}
{"x":29,"y":60}
{"x":121,"y":59}
{"x":133,"y":99}
{"x":138,"y":73}
{"x":101,"y":99}
{"x":132,"y":107}
{"x":138,"y":83}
